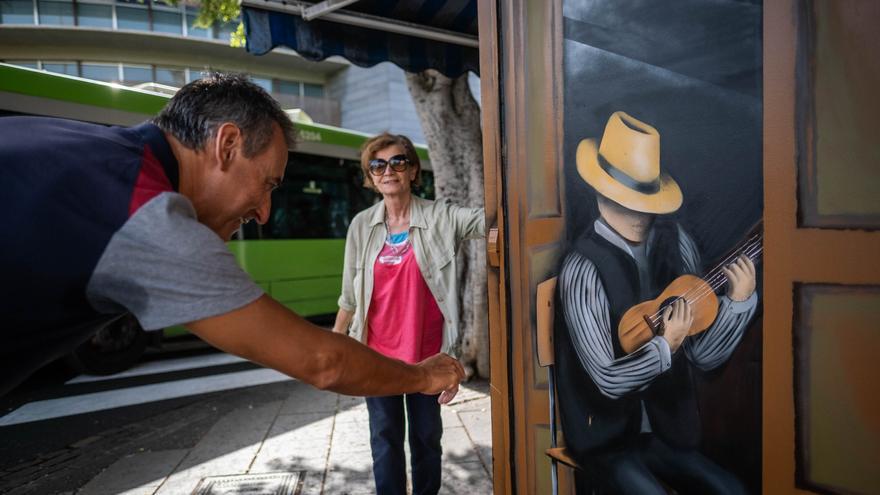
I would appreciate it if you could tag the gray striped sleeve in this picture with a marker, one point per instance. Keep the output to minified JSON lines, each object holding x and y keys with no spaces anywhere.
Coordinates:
{"x":689,"y":253}
{"x":713,"y":347}
{"x":585,"y":307}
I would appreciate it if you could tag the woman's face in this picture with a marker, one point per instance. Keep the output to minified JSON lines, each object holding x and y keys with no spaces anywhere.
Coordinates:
{"x":392,"y":182}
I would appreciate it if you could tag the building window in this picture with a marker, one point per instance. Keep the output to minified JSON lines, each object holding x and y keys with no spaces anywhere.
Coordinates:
{"x":30,"y":64}
{"x":290,"y":88}
{"x":137,"y":18}
{"x":137,"y":74}
{"x":263,"y":82}
{"x":68,"y":68}
{"x":100,"y":72}
{"x":16,"y":12}
{"x":313,"y":90}
{"x":56,"y":12}
{"x":167,"y":22}
{"x":171,"y":76}
{"x":94,"y":15}
{"x":194,"y":73}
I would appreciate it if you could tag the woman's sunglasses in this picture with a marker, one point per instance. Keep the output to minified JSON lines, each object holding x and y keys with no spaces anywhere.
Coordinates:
{"x":398,"y":164}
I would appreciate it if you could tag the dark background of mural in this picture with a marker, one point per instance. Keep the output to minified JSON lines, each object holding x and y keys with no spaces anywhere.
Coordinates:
{"x":693,"y":70}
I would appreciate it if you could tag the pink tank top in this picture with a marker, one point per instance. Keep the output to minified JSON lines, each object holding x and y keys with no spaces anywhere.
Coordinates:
{"x":404,"y":321}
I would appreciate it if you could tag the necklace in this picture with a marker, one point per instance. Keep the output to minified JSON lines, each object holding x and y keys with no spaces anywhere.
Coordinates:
{"x":397,"y":248}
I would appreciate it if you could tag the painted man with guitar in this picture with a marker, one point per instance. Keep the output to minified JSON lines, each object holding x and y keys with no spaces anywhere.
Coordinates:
{"x":626,"y":390}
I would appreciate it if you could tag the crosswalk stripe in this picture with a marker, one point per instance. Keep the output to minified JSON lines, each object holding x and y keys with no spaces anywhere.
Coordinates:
{"x":165,"y":366}
{"x":110,"y":399}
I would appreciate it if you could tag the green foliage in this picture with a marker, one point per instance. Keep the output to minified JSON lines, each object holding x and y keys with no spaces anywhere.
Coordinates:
{"x":237,"y":38}
{"x":213,"y":11}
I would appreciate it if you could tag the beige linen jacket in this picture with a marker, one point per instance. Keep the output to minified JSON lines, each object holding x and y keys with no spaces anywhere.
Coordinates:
{"x":436,"y":229}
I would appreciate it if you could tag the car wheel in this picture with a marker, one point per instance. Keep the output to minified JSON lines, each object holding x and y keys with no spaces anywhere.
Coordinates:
{"x":115,"y":348}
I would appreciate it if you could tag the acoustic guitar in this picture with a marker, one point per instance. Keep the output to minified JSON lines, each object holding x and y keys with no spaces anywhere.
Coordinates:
{"x":644,"y":321}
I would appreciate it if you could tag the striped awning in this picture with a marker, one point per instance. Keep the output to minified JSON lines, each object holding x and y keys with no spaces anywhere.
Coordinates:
{"x":414,"y":35}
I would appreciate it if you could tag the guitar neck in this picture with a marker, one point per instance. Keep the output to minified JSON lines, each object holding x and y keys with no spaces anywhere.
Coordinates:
{"x":752,"y":248}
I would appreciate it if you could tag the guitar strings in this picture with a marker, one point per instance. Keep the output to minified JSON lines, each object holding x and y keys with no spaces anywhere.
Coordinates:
{"x":715,"y":278}
{"x":719,"y":281}
{"x":752,"y":251}
{"x":715,"y":281}
{"x":717,"y":271}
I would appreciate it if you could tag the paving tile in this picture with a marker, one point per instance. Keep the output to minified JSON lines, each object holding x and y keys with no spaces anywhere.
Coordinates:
{"x":361,"y":462}
{"x":135,"y":474}
{"x":352,"y":436}
{"x":352,"y":412}
{"x":465,"y":479}
{"x":296,"y":442}
{"x":313,"y":483}
{"x":308,"y":399}
{"x":449,"y":417}
{"x":478,"y":424}
{"x":457,"y":447}
{"x":229,"y":447}
{"x":301,"y":427}
{"x":344,"y":482}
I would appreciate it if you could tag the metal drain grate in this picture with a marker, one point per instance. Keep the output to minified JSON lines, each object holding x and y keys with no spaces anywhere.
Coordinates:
{"x":252,"y":484}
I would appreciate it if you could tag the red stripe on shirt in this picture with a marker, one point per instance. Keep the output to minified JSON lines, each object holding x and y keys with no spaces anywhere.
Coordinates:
{"x":151,"y":181}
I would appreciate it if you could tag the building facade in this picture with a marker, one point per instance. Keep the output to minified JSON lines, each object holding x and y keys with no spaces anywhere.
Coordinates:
{"x":150,"y":43}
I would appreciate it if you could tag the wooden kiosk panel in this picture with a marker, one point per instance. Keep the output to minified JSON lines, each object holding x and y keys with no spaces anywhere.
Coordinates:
{"x":821,"y":171}
{"x":815,"y":142}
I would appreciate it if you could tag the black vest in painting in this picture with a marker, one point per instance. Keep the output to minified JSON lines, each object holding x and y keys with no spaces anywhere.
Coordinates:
{"x":594,"y":423}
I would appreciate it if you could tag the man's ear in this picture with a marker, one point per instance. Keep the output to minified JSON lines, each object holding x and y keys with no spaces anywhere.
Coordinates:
{"x":227,"y":143}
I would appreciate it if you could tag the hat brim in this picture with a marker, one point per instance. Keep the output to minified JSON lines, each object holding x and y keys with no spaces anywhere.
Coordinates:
{"x":666,"y":200}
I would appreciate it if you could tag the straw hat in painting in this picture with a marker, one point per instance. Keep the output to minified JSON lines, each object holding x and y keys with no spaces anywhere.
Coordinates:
{"x":624,"y":166}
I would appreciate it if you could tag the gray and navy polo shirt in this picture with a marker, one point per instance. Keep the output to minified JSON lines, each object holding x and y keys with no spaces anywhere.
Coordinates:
{"x":94,"y":227}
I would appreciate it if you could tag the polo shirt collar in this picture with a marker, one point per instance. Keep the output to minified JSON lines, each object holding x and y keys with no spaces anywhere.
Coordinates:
{"x":153,"y":137}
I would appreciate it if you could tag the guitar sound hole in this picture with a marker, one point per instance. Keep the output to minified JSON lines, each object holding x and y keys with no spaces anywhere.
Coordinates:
{"x":663,"y":306}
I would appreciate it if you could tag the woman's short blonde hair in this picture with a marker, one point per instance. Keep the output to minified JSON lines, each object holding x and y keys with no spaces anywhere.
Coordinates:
{"x":379,"y":143}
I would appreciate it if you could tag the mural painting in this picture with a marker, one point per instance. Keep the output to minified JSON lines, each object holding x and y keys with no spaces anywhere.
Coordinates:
{"x":658,"y":302}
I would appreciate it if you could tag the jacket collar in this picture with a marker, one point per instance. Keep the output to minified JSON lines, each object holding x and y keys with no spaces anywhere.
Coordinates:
{"x":416,"y":213}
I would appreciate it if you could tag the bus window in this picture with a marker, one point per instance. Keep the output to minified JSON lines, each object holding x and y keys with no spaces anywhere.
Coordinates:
{"x":317,"y":200}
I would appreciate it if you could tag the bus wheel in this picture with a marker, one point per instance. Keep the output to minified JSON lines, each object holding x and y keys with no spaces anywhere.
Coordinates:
{"x":115,"y":348}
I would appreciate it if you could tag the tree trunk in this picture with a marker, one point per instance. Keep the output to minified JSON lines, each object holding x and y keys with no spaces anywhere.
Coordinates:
{"x":450,"y":119}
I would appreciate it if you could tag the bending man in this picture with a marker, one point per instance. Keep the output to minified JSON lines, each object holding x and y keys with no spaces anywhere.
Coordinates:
{"x":112,"y":220}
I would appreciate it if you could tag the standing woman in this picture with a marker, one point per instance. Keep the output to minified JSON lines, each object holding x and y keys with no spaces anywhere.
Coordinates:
{"x":400,"y":296}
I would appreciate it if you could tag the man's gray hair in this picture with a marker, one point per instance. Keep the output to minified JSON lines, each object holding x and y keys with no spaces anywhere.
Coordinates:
{"x":198,"y":109}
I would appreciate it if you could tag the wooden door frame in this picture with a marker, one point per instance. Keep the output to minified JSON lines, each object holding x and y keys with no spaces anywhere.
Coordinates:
{"x":520,"y":132}
{"x":499,"y":390}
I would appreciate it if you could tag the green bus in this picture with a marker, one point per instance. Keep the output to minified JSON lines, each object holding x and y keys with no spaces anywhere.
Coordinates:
{"x":296,"y":257}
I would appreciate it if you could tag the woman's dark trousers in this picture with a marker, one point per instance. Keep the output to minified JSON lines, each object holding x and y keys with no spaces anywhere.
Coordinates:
{"x":388,"y":421}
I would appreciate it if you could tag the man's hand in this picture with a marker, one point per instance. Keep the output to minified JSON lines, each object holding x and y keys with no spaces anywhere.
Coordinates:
{"x":442,"y":376}
{"x":677,"y":320}
{"x":740,"y":278}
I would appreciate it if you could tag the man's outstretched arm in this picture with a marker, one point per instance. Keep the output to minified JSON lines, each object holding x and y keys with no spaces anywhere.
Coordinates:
{"x":267,"y":333}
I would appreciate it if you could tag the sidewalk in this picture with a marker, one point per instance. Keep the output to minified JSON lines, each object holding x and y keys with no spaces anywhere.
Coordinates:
{"x":313,"y":442}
